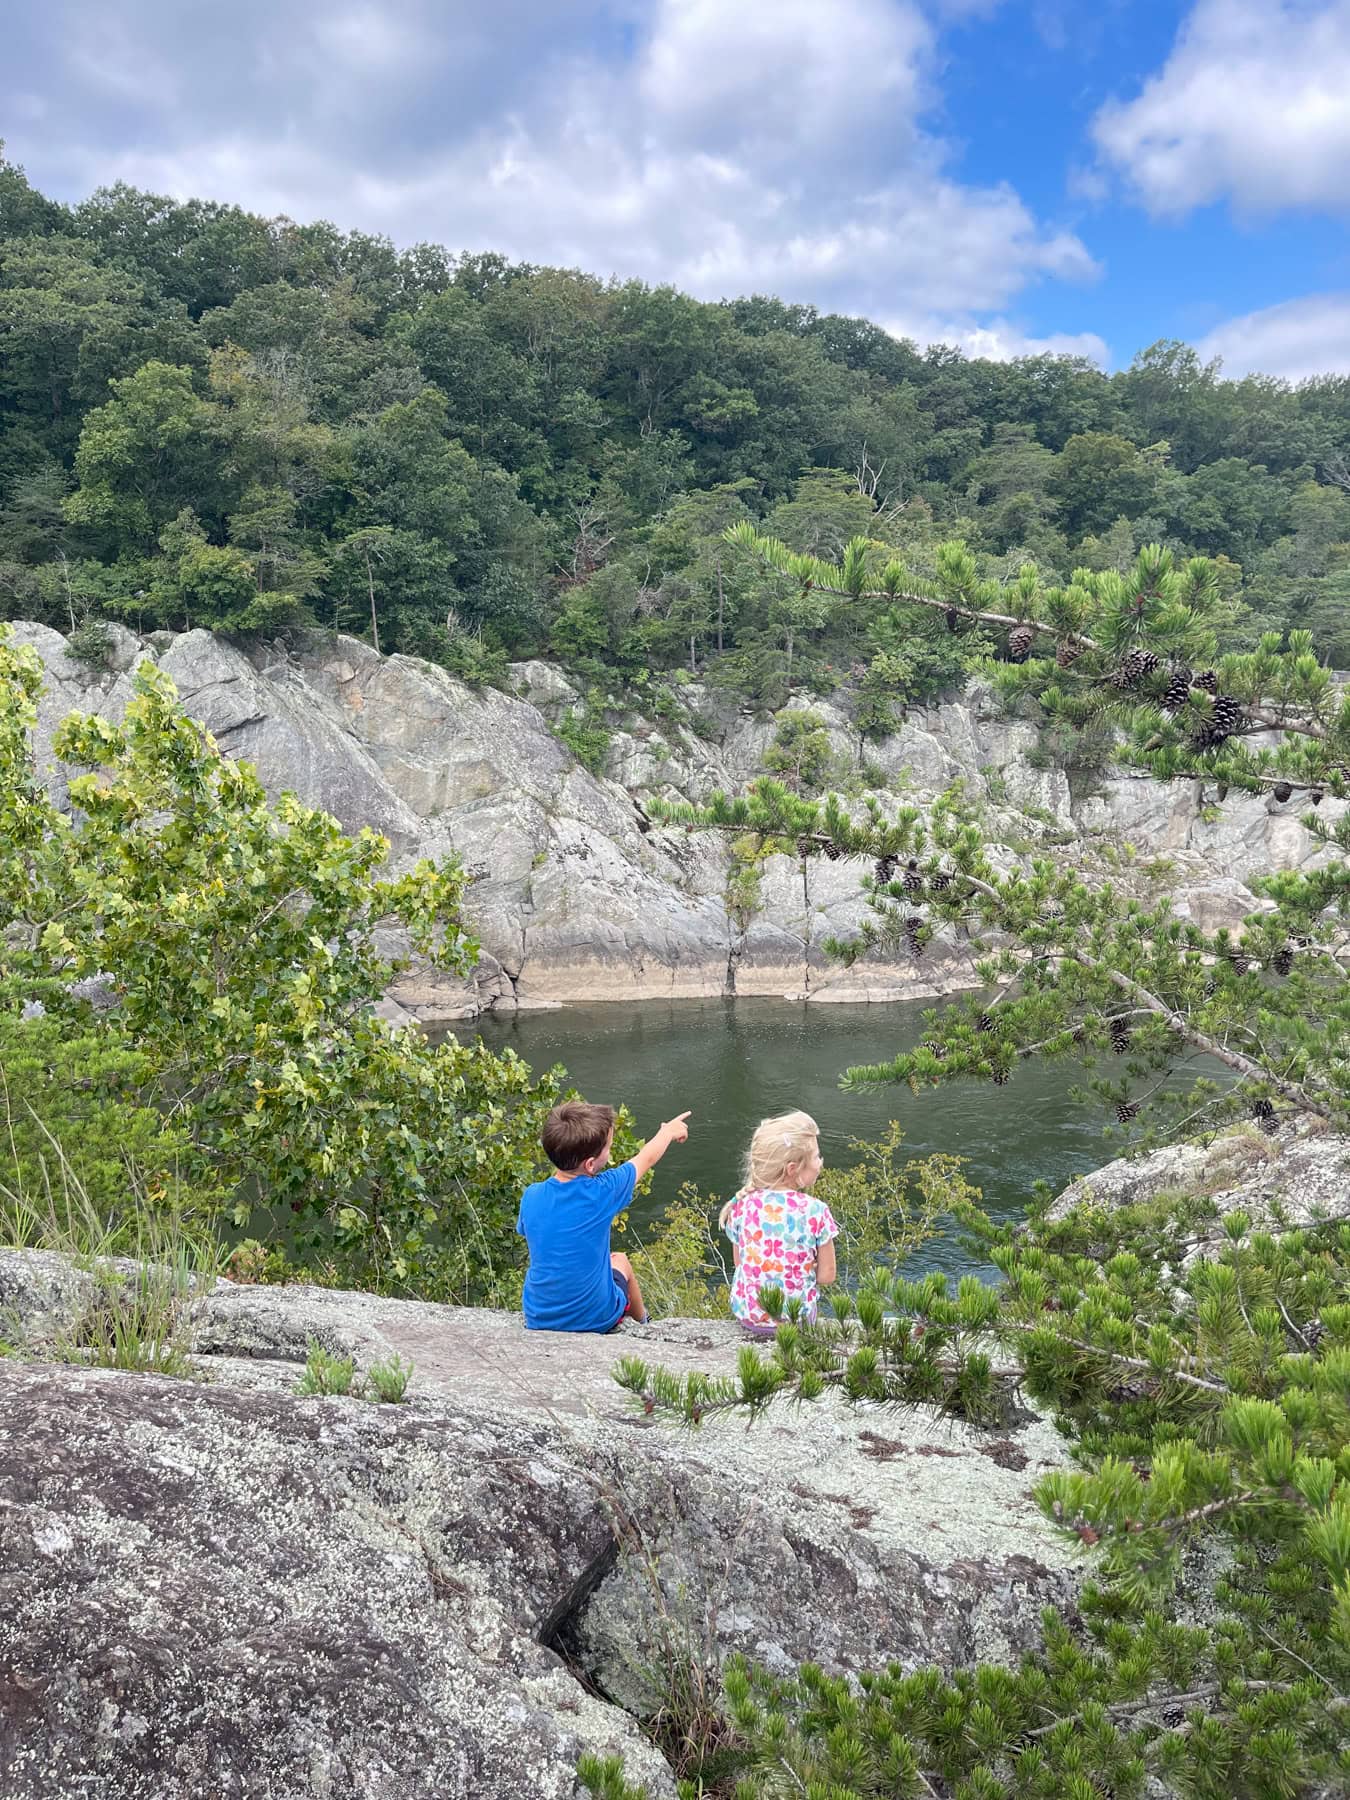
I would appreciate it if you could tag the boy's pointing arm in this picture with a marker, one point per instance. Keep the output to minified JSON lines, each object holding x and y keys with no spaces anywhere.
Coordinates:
{"x":674,"y":1131}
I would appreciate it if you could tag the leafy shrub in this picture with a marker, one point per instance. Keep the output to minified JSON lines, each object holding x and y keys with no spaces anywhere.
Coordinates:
{"x":887,"y":1209}
{"x":397,"y":1161}
{"x":743,"y":890}
{"x":586,"y":736}
{"x":73,"y":1120}
{"x":801,"y":754}
{"x":91,"y":644}
{"x":473,"y":657}
{"x":684,"y":1271}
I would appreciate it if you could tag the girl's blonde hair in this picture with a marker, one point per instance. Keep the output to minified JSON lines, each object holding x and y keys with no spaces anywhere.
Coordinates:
{"x":778,"y":1145}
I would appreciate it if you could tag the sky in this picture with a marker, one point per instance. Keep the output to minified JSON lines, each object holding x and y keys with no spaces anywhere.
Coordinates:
{"x":1008,"y":176}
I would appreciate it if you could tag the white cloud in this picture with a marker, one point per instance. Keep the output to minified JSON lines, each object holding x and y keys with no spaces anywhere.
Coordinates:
{"x":369,"y":42}
{"x":1295,"y":339}
{"x":772,"y":145}
{"x":1000,"y":339}
{"x":781,"y":78}
{"x":1250,"y":106}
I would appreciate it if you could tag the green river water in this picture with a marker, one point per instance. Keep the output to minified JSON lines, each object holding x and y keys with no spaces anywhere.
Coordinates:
{"x":734,"y":1062}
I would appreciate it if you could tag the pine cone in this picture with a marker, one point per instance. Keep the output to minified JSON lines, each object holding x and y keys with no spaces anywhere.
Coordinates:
{"x":804,"y":846}
{"x":1208,"y":680}
{"x":1282,"y":791}
{"x":1067,"y":653}
{"x":1262,"y":1109}
{"x":1020,"y":640}
{"x":1178,"y":690}
{"x":913,"y":926}
{"x":913,"y":882}
{"x":1134,"y":668}
{"x":985,"y":1022}
{"x":1131,"y":1390}
{"x":941,"y":882}
{"x":1211,"y":988}
{"x":1240,"y":960}
{"x":1313,"y":1333}
{"x":833,"y":853}
{"x":1173,"y":1716}
{"x":1283,"y":960}
{"x":934,"y":1049}
{"x":1224,"y":720}
{"x":1000,"y":1077}
{"x":1127,"y":1110}
{"x":1227,"y":714}
{"x":884,"y":869}
{"x":1120,"y":1036}
{"x":1317,"y":796}
{"x":953,"y":619}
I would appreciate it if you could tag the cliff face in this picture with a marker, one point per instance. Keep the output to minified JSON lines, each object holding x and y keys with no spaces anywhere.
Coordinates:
{"x":578,"y":896}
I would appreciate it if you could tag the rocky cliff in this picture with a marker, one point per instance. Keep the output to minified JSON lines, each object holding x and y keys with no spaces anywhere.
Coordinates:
{"x":216,"y":1588}
{"x":578,"y":895}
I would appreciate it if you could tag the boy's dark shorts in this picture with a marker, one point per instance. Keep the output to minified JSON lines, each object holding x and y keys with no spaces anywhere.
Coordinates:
{"x":620,"y":1282}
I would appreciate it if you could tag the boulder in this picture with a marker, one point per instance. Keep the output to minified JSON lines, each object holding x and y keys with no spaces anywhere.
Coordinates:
{"x":1296,"y":1178}
{"x":221,"y":1588}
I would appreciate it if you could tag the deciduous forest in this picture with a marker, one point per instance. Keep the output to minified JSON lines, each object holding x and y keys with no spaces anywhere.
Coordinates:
{"x":208,"y":418}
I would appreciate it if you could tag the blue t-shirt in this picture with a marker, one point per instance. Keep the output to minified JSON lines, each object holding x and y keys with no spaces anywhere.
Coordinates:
{"x":569,"y":1285}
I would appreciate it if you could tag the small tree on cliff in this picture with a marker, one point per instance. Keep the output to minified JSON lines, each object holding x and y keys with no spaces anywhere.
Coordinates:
{"x":1074,"y":966}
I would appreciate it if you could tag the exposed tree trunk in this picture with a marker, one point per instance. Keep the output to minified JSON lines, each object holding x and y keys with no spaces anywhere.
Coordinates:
{"x":70,"y":598}
{"x":370,"y":583}
{"x":721,"y":605}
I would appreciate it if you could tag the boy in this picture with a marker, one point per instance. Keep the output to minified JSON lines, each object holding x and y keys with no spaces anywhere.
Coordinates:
{"x":573,"y":1282}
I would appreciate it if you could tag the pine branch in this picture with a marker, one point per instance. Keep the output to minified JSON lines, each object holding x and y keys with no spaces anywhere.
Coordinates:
{"x":1119,"y":1357}
{"x":1127,"y":1709}
{"x":1242,"y":1065}
{"x":1198,"y":1515}
{"x":1275,"y":722}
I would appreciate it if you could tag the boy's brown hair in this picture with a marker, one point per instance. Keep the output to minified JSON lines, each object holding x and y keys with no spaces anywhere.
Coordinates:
{"x":576,"y":1131}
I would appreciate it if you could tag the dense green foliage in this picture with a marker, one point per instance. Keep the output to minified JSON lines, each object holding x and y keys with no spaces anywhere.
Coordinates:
{"x":210,"y":418}
{"x":1077,"y":965}
{"x":236,"y":949}
{"x":1210,"y":1403}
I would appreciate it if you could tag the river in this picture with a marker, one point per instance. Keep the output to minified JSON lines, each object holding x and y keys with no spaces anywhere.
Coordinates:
{"x":734,"y":1062}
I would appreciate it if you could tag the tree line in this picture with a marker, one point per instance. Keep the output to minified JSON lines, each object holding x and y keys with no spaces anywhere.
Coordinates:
{"x":208,"y":418}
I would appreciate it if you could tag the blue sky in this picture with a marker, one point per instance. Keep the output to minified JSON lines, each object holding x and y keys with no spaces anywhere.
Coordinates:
{"x":1007,"y":175}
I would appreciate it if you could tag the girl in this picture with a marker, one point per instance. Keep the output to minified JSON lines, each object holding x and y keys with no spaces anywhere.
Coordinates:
{"x":780,"y":1236}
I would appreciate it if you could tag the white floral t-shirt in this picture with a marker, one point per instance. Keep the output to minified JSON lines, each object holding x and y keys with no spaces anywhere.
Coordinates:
{"x":778,"y":1232}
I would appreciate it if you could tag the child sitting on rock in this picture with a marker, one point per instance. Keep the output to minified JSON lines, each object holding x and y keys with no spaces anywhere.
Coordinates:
{"x":574,"y":1283}
{"x":781,"y":1236}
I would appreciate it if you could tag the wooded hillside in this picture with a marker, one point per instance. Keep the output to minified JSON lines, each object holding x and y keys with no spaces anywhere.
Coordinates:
{"x":210,"y":418}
